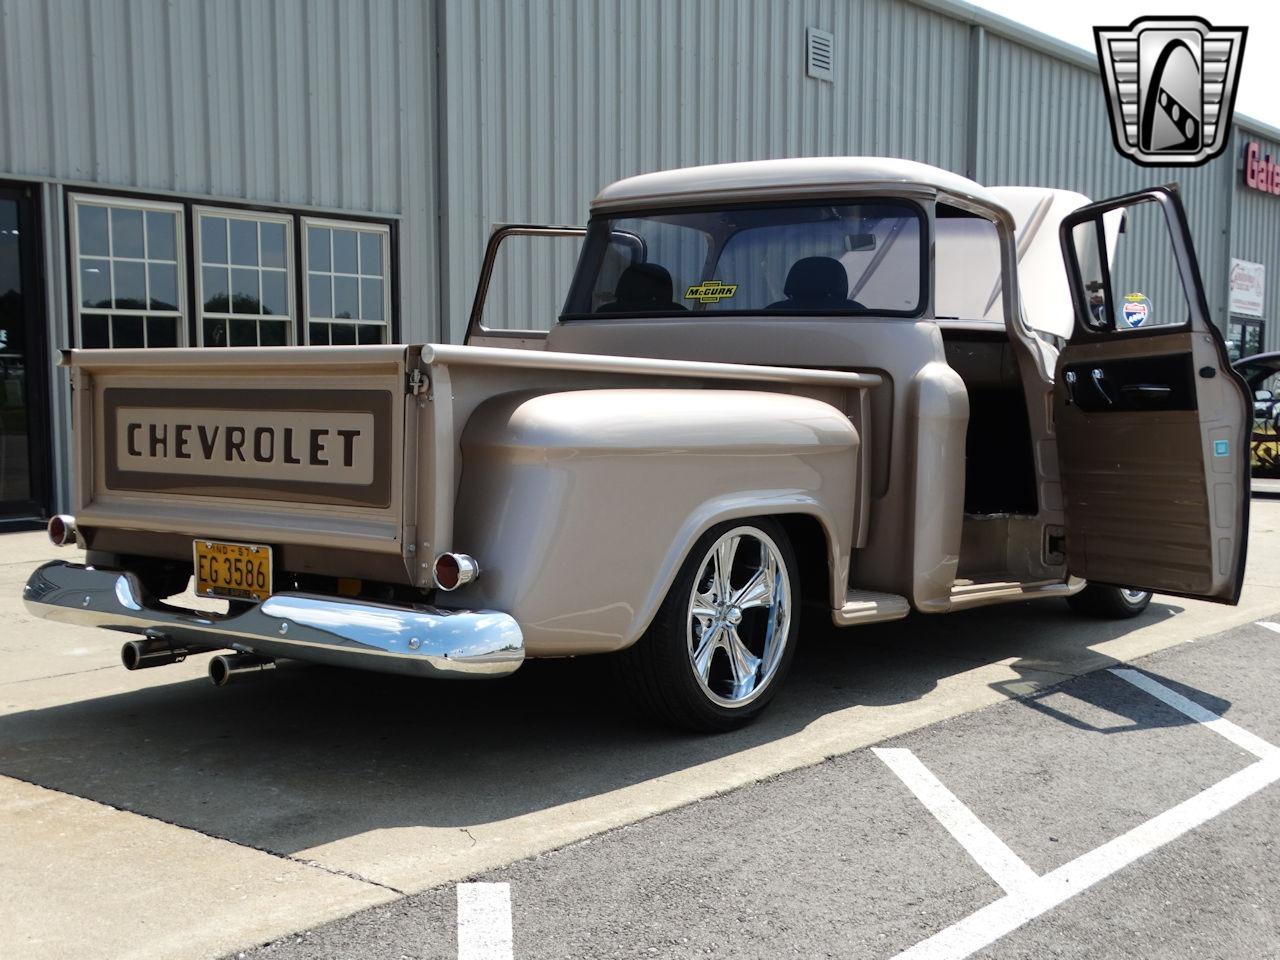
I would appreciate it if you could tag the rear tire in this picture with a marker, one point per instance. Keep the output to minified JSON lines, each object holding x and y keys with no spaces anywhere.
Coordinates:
{"x":721,"y":644}
{"x":1110,"y":603}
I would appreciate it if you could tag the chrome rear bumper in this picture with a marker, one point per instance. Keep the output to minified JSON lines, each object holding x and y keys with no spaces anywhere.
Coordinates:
{"x":422,"y":641}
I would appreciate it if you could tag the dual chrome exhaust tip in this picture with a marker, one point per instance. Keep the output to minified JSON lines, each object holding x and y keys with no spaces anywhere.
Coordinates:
{"x":223,"y":669}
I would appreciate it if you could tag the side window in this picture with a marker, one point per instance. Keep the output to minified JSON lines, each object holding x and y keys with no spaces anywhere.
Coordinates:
{"x":128,"y":272}
{"x":527,"y":286}
{"x":969,"y":283}
{"x":1145,"y":282}
{"x":1128,"y":277}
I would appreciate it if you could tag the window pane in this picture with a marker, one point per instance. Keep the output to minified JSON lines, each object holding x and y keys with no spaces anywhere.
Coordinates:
{"x":93,"y":230}
{"x":215,"y":333}
{"x":126,"y":232}
{"x":244,"y":333}
{"x":345,"y":296}
{"x":274,"y":298}
{"x":244,"y":291}
{"x":317,"y":248}
{"x":344,"y":251}
{"x":213,"y":239}
{"x":319,"y":333}
{"x":126,"y":332}
{"x":160,"y":236}
{"x":217,"y":292}
{"x":320,"y":296}
{"x":372,"y":333}
{"x":275,"y":333}
{"x":272,"y":244}
{"x":164,"y":286}
{"x":371,"y":254}
{"x":371,"y":299}
{"x":95,"y":283}
{"x":162,"y":332}
{"x":244,"y":242}
{"x":93,"y":331}
{"x":343,"y":333}
{"x":131,"y":285}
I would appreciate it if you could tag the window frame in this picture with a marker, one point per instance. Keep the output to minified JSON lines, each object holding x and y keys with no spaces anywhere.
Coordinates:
{"x":77,"y":199}
{"x":305,"y":223}
{"x":197,"y":268}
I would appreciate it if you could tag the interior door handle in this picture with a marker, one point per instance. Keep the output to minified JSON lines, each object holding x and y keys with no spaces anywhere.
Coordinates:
{"x":1070,"y":377}
{"x":1100,"y":384}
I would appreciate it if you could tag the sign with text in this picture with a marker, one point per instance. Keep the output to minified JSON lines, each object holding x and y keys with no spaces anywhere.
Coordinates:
{"x":1260,"y":171}
{"x":1247,"y":287}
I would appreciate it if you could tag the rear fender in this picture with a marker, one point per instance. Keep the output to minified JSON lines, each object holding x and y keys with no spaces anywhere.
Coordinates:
{"x":580,"y":507}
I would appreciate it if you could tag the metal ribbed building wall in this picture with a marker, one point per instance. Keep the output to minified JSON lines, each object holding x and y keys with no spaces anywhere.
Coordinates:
{"x":1043,"y":121}
{"x":546,"y":101}
{"x":322,"y":104}
{"x":1255,"y":228}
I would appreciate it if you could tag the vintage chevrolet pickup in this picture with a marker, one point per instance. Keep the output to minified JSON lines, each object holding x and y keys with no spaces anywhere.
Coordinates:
{"x":857,"y":386}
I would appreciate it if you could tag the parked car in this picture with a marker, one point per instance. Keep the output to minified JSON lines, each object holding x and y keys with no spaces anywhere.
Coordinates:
{"x":810,"y":383}
{"x":1262,"y":374}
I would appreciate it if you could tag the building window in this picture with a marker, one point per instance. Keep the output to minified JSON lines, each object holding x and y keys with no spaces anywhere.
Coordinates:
{"x":243,"y":286}
{"x":129,"y":269}
{"x":1244,"y":337}
{"x":348,"y":296}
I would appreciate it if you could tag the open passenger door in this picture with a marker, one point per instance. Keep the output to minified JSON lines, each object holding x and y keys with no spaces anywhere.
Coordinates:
{"x":531,"y":282}
{"x":1152,"y":421}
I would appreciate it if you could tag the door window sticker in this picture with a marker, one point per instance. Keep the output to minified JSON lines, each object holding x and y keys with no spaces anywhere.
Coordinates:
{"x":1221,"y":448}
{"x":1135,"y":311}
{"x":711,"y":291}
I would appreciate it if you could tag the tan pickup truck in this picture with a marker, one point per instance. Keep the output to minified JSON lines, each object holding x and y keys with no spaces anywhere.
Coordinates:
{"x":852,"y":386}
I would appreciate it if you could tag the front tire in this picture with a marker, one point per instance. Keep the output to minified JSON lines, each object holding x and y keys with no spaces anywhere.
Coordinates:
{"x":1110,"y":603}
{"x":722,"y":641}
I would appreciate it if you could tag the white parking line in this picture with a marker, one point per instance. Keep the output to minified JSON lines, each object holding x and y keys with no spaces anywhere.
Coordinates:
{"x":484,"y":921}
{"x":1269,"y":625}
{"x":1240,"y":737}
{"x":1040,"y":894}
{"x":994,"y":921}
{"x":991,"y":853}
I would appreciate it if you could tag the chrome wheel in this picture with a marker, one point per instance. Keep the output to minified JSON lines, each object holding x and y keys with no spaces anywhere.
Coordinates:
{"x":1134,"y":596}
{"x":740,"y":613}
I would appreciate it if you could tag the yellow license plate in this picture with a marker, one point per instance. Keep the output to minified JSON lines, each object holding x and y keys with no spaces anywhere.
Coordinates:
{"x":238,"y":571}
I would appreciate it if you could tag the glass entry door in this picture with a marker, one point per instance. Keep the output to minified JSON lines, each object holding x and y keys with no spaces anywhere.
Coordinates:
{"x":23,"y":424}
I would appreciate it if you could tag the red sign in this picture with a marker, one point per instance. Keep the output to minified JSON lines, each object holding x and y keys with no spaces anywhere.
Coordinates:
{"x":1260,"y":172}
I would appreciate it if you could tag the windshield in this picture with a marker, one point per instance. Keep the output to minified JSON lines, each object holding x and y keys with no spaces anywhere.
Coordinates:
{"x":813,"y":258}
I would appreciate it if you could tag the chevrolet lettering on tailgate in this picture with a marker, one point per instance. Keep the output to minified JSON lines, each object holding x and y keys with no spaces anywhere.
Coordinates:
{"x":332,"y":448}
{"x":326,"y":447}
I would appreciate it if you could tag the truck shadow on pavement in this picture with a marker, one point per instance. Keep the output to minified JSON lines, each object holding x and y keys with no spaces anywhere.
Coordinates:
{"x":307,"y":755}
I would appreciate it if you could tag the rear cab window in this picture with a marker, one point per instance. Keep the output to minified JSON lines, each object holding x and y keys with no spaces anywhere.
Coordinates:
{"x":813,"y":258}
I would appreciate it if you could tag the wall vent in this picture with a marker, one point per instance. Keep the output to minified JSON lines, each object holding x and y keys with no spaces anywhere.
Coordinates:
{"x":819,"y":54}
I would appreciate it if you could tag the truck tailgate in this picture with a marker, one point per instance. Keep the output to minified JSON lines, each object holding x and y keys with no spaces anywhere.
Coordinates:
{"x":285,"y":446}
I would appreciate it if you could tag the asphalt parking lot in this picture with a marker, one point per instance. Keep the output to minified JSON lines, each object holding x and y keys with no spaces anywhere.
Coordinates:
{"x":149,"y":814}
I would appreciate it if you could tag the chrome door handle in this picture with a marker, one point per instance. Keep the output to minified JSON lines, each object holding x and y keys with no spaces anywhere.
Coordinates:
{"x":1100,"y":383}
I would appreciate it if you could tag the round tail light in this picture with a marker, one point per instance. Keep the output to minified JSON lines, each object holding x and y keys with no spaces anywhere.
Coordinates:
{"x":453,"y":570}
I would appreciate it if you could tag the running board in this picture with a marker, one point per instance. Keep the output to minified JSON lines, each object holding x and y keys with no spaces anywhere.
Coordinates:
{"x":964,"y":596}
{"x":867,"y":606}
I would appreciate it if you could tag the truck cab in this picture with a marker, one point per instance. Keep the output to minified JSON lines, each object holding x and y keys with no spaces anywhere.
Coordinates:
{"x":1055,"y":403}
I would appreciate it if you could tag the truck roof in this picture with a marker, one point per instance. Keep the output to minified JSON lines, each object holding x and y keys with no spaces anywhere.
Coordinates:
{"x":798,"y":176}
